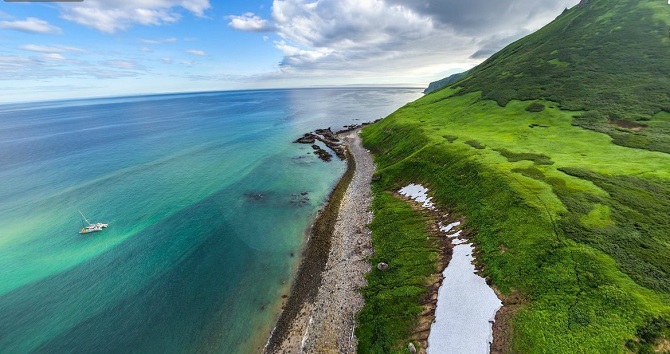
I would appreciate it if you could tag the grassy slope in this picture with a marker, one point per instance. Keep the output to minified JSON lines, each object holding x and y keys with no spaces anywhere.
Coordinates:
{"x":575,"y":220}
{"x":393,"y":296}
{"x":608,"y":58}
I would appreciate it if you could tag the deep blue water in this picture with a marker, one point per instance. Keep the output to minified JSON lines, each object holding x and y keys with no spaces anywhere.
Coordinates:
{"x":202,"y":193}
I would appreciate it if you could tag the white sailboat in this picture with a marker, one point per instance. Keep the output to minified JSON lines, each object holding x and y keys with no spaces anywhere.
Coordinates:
{"x":88,"y":227}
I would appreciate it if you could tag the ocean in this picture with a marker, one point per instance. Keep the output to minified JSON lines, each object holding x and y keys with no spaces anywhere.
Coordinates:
{"x":207,"y":199}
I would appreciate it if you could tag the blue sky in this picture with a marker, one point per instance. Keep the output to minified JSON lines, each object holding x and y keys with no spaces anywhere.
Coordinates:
{"x":106,"y":48}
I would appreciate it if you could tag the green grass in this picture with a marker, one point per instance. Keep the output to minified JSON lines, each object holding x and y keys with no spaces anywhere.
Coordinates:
{"x":582,"y":220}
{"x":393,"y":296}
{"x":609,"y":59}
{"x":557,"y":151}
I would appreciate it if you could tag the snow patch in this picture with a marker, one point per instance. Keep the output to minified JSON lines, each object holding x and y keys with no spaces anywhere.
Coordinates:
{"x":448,"y":228}
{"x":418,"y":193}
{"x":466,"y":305}
{"x":466,"y":308}
{"x":456,"y":235}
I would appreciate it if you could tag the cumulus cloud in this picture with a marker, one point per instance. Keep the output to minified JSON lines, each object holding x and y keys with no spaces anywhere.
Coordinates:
{"x":347,"y":24}
{"x":400,"y":38}
{"x":250,"y":22}
{"x":31,"y":25}
{"x":346,"y":35}
{"x":112,"y":16}
{"x":486,"y":16}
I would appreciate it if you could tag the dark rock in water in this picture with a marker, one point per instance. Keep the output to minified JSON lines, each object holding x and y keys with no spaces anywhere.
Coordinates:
{"x":325,"y":132}
{"x":304,"y":193}
{"x":382,"y":266}
{"x":412,"y":348}
{"x":327,"y":137}
{"x":322,"y":154}
{"x":298,"y":200}
{"x":256,"y":195}
{"x":308,"y":138}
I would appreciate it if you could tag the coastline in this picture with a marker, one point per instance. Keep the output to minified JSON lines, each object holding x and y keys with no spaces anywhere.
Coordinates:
{"x":320,"y":311}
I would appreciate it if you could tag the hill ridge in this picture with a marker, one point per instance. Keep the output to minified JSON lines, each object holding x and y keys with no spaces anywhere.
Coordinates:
{"x":556,"y":150}
{"x":608,"y":60}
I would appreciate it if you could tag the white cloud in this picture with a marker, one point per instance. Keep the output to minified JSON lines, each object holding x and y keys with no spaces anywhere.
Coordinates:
{"x":250,"y":22}
{"x":122,"y":64}
{"x":112,"y":16}
{"x":349,"y":37}
{"x":345,"y":24}
{"x":56,"y":66}
{"x":52,"y":49}
{"x":197,"y":52}
{"x":296,"y":56}
{"x":402,"y":40}
{"x":53,"y":56}
{"x":167,"y":60}
{"x":31,"y":25}
{"x":158,"y":41}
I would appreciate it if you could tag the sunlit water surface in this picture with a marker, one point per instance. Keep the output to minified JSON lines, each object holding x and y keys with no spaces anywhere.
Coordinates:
{"x":202,"y":193}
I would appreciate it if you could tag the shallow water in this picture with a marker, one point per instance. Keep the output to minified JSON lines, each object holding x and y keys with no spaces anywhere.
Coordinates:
{"x":202,"y":193}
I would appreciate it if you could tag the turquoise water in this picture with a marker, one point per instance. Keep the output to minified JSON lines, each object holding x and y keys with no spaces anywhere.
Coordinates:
{"x":202,"y":193}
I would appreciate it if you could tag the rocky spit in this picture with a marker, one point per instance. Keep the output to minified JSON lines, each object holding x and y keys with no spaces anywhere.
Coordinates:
{"x":326,"y":323}
{"x":328,"y":138}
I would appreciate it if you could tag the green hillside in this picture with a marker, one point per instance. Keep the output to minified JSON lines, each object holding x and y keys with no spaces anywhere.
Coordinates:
{"x":557,"y":152}
{"x":609,"y":59}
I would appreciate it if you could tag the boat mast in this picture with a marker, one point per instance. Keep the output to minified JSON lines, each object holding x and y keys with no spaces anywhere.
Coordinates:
{"x":82,"y":215}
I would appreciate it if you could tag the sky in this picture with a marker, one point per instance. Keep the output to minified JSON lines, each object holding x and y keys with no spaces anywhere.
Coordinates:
{"x":98,"y":48}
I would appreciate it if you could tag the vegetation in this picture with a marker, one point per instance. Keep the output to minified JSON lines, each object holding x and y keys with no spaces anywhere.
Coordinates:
{"x":609,"y":59}
{"x":434,"y":86}
{"x":393,"y":296}
{"x":535,"y":107}
{"x":557,"y":151}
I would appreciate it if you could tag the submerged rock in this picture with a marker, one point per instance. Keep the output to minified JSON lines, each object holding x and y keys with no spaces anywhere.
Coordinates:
{"x":322,"y":154}
{"x":299,"y":200}
{"x":257,"y":196}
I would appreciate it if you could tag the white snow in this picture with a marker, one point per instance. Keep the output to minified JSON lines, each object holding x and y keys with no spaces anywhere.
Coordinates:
{"x":455,"y":236}
{"x":466,"y":305}
{"x":419,"y":193}
{"x":450,"y":226}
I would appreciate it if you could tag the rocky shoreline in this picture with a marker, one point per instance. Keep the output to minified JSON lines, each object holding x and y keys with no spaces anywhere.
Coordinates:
{"x":331,"y":140}
{"x":320,"y":313}
{"x":327,"y":137}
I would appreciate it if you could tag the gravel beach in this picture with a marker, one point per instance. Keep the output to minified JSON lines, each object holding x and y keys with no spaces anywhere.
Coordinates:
{"x":325,"y":323}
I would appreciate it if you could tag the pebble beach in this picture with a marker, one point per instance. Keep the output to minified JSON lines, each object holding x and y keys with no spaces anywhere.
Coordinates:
{"x":326,"y":321}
